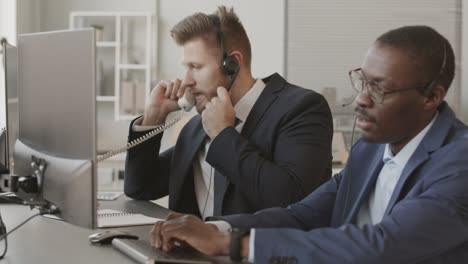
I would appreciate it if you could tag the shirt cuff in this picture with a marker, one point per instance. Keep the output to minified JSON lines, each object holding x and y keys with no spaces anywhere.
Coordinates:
{"x":222,"y":226}
{"x":252,"y":246}
{"x":137,"y":127}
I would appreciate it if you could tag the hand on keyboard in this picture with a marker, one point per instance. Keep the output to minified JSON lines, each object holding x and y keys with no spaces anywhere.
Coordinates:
{"x":191,"y":230}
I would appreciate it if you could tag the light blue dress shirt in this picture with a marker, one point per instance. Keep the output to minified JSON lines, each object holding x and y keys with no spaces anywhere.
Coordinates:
{"x":373,"y":210}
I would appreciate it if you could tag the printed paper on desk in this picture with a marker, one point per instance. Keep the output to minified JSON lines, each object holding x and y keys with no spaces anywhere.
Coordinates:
{"x":114,"y":218}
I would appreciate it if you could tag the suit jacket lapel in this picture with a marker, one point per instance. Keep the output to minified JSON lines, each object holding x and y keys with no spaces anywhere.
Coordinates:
{"x":433,"y":140}
{"x":368,"y":181}
{"x":221,"y":184}
{"x":182,"y":165}
{"x":199,"y":138}
{"x":274,"y":84}
{"x":419,"y":156}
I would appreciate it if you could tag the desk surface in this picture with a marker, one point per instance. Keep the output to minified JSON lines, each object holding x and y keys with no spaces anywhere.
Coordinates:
{"x":45,"y":240}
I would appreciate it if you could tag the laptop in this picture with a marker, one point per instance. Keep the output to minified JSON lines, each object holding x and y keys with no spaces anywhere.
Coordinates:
{"x":142,"y":252}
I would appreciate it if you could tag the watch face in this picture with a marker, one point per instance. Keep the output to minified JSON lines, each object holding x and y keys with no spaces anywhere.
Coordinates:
{"x":235,"y":248}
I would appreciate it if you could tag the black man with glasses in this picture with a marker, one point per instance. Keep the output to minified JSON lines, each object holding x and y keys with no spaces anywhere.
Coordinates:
{"x":403,"y":195}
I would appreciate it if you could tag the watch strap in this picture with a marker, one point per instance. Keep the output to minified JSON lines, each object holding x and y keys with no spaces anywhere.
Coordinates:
{"x":235,"y":247}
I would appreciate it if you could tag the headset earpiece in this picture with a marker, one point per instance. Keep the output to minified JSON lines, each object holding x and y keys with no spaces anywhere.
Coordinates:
{"x":230,"y":66}
{"x":429,"y":90}
{"x":229,"y":63}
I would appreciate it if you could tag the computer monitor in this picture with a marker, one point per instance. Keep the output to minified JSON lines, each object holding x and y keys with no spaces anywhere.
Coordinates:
{"x":57,"y":121}
{"x":7,"y":80}
{"x":9,"y":103}
{"x":3,"y":115}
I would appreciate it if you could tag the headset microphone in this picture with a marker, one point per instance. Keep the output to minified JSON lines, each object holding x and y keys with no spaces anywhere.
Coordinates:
{"x":347,"y":103}
{"x":349,"y":100}
{"x":233,"y":78}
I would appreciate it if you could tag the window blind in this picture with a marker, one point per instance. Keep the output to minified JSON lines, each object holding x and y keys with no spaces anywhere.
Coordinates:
{"x":325,"y":39}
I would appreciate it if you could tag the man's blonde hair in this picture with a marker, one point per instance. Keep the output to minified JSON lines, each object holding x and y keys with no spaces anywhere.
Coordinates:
{"x":207,"y":27}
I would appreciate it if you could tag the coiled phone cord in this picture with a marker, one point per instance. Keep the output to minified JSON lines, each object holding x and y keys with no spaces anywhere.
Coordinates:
{"x":138,"y":141}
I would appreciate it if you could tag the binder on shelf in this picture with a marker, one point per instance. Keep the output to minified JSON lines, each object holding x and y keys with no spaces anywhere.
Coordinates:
{"x":114,"y":218}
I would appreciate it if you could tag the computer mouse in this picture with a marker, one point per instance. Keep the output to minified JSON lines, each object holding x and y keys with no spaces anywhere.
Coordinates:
{"x":105,"y":237}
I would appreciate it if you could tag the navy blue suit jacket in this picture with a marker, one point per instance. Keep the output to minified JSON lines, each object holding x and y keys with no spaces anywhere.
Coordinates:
{"x":426,"y":220}
{"x":282,"y":154}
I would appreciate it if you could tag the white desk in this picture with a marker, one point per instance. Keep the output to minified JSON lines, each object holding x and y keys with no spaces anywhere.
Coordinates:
{"x":43,"y":240}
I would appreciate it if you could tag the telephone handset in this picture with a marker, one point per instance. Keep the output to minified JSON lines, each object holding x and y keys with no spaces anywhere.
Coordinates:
{"x":186,"y":103}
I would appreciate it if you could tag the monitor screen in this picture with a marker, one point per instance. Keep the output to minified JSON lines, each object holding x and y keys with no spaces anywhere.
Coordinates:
{"x":57,"y":119}
{"x":8,"y":103}
{"x":3,"y":114}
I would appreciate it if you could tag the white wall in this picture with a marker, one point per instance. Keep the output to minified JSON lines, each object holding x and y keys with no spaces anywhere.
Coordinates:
{"x":328,"y":38}
{"x":8,"y":20}
{"x":262,"y":19}
{"x":28,"y":16}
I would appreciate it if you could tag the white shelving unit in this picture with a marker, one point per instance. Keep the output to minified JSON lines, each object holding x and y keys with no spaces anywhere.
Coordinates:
{"x":123,"y":48}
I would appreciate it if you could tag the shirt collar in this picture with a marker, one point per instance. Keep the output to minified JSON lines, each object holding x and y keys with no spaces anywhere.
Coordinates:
{"x":246,"y":103}
{"x":405,"y":153}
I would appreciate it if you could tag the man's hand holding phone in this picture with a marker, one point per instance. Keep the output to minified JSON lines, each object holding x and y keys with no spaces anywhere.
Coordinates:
{"x":218,"y":114}
{"x":163,"y":100}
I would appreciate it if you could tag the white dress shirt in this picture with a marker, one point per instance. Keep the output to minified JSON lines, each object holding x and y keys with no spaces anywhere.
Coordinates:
{"x":373,"y":210}
{"x":202,"y":171}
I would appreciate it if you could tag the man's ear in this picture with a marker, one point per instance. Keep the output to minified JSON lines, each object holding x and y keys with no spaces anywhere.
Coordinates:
{"x":238,"y":55}
{"x":435,"y":97}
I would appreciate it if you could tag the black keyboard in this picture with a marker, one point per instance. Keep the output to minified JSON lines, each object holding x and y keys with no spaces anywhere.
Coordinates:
{"x":142,"y":252}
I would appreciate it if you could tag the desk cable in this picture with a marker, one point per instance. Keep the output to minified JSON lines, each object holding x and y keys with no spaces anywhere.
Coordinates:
{"x":208,"y":193}
{"x":2,"y":232}
{"x":348,"y":186}
{"x":5,"y":234}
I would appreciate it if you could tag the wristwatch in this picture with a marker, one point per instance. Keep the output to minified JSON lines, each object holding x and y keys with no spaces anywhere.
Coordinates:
{"x":235,"y":247}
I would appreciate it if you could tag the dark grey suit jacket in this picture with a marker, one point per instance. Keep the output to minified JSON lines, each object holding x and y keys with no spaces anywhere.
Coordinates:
{"x":282,"y":154}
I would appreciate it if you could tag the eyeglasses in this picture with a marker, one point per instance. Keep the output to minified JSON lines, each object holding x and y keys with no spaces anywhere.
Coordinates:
{"x":375,"y":89}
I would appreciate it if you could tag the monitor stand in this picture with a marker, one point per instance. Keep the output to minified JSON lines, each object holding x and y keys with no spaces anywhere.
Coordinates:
{"x":27,"y":188}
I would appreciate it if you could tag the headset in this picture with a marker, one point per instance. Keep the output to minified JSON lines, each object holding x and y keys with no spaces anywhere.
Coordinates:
{"x":428,"y":90}
{"x":229,"y":64}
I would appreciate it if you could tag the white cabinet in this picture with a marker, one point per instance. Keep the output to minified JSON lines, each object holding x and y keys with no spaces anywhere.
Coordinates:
{"x":124,"y":42}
